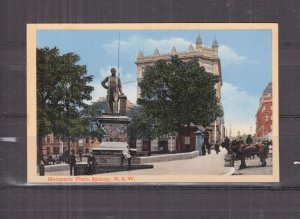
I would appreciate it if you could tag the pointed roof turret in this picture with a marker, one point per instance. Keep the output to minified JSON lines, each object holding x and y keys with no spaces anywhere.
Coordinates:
{"x":215,"y":43}
{"x":140,"y":55}
{"x":156,"y":52}
{"x":198,"y":40}
{"x":198,"y":43}
{"x":268,"y":90}
{"x":173,"y":51}
{"x":191,"y":48}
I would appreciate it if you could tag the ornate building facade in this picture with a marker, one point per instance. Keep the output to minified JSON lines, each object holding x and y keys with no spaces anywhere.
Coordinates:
{"x":208,"y":58}
{"x":264,"y":113}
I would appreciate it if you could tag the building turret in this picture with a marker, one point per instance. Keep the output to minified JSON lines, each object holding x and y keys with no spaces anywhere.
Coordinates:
{"x":140,"y":55}
{"x":191,"y":48}
{"x":215,"y":46}
{"x":156,"y":52}
{"x":198,"y":43}
{"x":173,"y":51}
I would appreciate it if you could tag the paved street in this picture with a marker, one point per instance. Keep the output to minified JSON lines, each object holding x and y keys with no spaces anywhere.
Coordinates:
{"x":212,"y":164}
{"x":253,"y":167}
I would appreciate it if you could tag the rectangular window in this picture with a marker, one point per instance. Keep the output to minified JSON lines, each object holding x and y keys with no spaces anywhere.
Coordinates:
{"x":48,"y":150}
{"x":55,"y":150}
{"x":56,"y":139}
{"x":48,"y":139}
{"x":266,"y":118}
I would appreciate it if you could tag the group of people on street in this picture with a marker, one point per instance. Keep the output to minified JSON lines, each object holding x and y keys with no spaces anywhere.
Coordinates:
{"x":206,"y":146}
{"x":51,"y":159}
{"x":90,"y":163}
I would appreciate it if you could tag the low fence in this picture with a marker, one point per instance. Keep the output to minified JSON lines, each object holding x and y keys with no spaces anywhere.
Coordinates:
{"x":167,"y":157}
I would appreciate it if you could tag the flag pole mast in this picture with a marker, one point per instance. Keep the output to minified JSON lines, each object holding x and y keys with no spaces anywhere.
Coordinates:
{"x":119,"y":56}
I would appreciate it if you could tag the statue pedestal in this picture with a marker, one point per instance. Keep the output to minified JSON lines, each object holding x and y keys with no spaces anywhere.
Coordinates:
{"x":115,"y":127}
{"x":123,"y":100}
{"x":114,"y":142}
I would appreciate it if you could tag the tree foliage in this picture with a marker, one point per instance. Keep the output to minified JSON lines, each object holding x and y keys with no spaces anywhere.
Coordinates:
{"x":62,"y":89}
{"x":91,"y":113}
{"x":178,"y":93}
{"x":141,"y":125}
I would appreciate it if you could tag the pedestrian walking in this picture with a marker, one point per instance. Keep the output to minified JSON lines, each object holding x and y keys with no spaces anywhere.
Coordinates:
{"x":217,"y":147}
{"x":208,"y":147}
{"x":80,"y":155}
{"x":91,"y":164}
{"x":203,"y":149}
{"x":206,"y":144}
{"x":72,"y":162}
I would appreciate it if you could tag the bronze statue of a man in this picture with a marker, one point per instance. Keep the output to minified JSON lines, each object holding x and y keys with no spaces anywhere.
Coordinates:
{"x":114,"y":89}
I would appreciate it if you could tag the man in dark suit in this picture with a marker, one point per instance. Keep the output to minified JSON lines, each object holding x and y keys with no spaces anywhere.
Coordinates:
{"x":72,"y":162}
{"x":114,"y":89}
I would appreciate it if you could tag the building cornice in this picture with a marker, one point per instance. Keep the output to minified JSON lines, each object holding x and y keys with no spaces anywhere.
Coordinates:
{"x":181,"y":55}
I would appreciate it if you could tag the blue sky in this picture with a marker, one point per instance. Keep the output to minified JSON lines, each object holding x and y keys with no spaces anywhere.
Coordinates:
{"x":245,"y":55}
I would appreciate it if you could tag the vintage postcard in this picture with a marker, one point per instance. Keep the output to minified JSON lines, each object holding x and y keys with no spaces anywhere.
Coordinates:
{"x":152,"y":103}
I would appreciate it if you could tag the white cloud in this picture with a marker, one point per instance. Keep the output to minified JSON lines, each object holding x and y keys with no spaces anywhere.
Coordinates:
{"x":136,"y":43}
{"x":229,"y":56}
{"x":239,"y":109}
{"x":165,"y":45}
{"x":104,"y":72}
{"x":98,"y":91}
{"x":123,"y":44}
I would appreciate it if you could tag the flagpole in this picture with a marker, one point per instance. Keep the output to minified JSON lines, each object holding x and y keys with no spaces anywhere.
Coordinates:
{"x":119,"y":56}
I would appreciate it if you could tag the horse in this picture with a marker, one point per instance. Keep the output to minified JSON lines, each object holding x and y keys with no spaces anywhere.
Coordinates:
{"x":243,"y":150}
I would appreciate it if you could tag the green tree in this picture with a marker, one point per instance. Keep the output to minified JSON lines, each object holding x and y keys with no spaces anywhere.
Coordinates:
{"x":91,"y":113}
{"x":141,"y":125}
{"x":61,"y":92}
{"x":178,"y":93}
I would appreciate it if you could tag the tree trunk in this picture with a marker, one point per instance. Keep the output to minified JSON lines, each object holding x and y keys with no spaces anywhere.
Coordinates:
{"x":187,"y":135}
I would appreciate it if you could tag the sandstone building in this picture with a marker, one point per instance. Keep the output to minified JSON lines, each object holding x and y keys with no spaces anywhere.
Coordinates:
{"x":208,"y":58}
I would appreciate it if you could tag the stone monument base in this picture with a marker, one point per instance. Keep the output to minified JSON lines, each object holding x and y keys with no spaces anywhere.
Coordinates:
{"x":115,"y":127}
{"x":110,"y":153}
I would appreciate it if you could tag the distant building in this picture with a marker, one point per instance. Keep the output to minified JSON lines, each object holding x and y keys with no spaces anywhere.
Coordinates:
{"x":264,"y":113}
{"x":208,"y":58}
{"x":54,"y":145}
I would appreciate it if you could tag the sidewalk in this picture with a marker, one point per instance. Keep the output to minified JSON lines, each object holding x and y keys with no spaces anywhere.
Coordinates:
{"x":212,"y":164}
